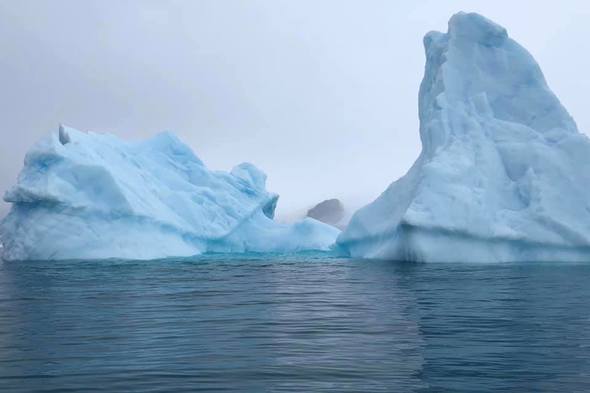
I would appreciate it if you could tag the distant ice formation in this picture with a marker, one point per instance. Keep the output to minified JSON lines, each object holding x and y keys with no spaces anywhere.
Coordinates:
{"x":503,"y":174}
{"x":330,"y":211}
{"x":86,"y":195}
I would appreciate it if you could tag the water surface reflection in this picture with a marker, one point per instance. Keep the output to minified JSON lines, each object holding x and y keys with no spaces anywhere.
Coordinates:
{"x":293,"y":324}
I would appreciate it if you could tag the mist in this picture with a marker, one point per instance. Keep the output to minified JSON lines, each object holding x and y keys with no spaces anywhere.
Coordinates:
{"x":321,"y":95}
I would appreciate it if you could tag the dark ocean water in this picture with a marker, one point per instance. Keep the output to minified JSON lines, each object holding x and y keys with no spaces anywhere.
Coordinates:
{"x":304,"y":324}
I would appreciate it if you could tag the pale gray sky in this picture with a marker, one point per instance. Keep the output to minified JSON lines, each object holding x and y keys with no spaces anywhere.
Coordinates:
{"x":320,"y":94}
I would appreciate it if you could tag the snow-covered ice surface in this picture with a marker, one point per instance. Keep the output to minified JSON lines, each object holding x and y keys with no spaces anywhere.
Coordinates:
{"x":504,"y":172}
{"x":87,"y":195}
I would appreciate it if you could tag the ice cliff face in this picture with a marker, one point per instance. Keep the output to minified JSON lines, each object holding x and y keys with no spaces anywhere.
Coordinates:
{"x":85,"y":195}
{"x":503,"y":174}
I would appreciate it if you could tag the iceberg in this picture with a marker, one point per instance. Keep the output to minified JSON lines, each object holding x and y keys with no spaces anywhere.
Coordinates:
{"x":94,"y":196}
{"x":329,"y":211}
{"x":504,"y":172}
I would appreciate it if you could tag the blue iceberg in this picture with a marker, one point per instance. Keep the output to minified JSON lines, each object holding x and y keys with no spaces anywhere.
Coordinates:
{"x":93,"y":196}
{"x":504,"y":172}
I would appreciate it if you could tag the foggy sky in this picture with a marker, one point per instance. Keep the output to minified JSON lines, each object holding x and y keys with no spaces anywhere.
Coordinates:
{"x":320,"y":94}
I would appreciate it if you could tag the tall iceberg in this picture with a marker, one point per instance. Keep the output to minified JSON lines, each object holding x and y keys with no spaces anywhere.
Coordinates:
{"x":503,"y":174}
{"x":86,"y":195}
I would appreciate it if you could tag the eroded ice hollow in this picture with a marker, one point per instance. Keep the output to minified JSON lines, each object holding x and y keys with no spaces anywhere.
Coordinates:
{"x":504,"y":173}
{"x":87,"y":195}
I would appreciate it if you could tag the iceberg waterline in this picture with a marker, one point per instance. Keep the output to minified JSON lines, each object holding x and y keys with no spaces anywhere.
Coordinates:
{"x":503,"y":172}
{"x":94,"y":196}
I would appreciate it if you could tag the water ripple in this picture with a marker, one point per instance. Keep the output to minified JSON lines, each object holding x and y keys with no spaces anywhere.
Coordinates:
{"x":292,"y":324}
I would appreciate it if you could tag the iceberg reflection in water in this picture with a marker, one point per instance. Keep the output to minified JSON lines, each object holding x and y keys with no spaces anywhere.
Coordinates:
{"x":295,"y":323}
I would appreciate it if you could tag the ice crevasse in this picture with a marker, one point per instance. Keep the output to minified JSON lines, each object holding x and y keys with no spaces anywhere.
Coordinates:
{"x":504,"y":172}
{"x":88,"y":195}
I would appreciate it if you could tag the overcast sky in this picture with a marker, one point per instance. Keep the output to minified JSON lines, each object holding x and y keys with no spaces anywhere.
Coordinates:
{"x":320,"y":94}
